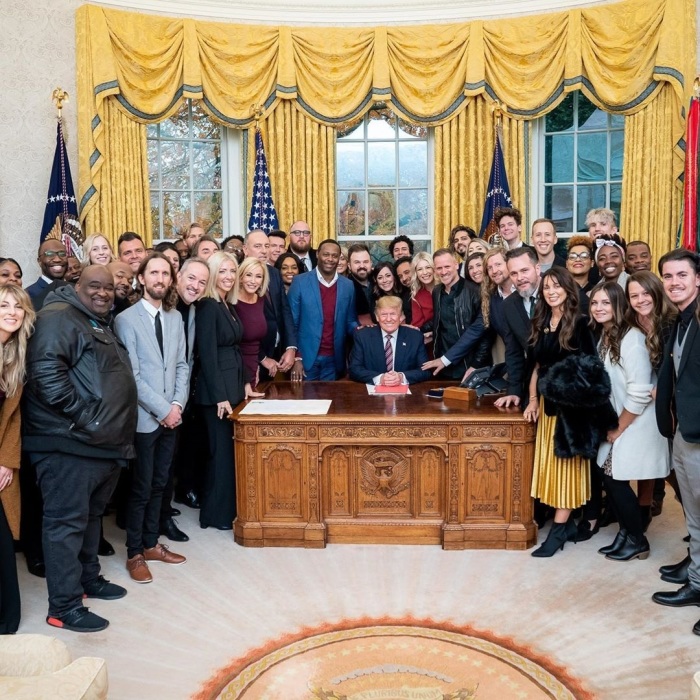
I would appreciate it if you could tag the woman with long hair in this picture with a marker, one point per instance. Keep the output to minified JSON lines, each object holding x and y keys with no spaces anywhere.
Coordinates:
{"x":635,"y":449}
{"x":97,"y":250}
{"x":475,"y":267}
{"x":422,"y":283}
{"x":558,"y":332}
{"x":477,"y":245}
{"x":385,"y":282}
{"x":16,"y":324}
{"x":222,"y":383}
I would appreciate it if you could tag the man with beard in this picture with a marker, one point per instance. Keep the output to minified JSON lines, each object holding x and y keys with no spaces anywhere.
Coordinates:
{"x":153,"y":333}
{"x":123,"y":285}
{"x":300,"y":244}
{"x":460,"y":235}
{"x":53,"y":262}
{"x":360,"y":267}
{"x":78,"y":420}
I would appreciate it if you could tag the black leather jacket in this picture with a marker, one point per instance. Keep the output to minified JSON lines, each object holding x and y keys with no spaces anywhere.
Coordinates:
{"x":80,"y":396}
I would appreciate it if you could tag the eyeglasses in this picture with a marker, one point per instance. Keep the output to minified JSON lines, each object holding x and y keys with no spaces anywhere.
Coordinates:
{"x":578,"y":256}
{"x":54,"y":254}
{"x":300,"y":233}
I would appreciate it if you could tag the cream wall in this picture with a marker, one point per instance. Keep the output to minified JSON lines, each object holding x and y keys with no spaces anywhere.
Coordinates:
{"x":40,"y":55}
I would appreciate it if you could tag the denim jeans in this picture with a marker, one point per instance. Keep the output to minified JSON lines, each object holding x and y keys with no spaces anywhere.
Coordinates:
{"x":322,"y":370}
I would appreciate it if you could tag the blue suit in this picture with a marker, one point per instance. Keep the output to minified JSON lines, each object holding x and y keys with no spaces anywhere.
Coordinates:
{"x":367,"y":358}
{"x":305,"y":303}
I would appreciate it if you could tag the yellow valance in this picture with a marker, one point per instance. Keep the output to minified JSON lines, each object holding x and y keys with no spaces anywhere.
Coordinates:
{"x":618,"y":54}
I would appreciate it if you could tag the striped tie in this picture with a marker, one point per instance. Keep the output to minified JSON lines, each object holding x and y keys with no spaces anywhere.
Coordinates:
{"x":388,"y":354}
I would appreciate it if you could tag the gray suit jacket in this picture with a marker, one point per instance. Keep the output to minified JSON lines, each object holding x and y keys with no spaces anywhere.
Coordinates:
{"x":160,"y":380}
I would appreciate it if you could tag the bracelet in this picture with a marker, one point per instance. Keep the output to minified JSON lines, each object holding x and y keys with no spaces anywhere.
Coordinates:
{"x":298,"y":359}
{"x":533,"y":398}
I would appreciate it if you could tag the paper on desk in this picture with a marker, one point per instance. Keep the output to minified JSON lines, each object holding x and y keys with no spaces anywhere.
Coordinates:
{"x":400,"y":390}
{"x":287,"y":407}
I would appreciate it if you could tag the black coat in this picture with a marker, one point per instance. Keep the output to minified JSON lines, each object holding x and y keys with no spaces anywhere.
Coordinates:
{"x":517,"y":328}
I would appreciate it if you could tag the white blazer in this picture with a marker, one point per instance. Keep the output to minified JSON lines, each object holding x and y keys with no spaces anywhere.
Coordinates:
{"x":641,"y":452}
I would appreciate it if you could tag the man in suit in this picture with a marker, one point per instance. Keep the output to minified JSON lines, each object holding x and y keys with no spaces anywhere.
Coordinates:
{"x":153,"y":333}
{"x":388,"y":354}
{"x":677,"y":401}
{"x":544,"y":238}
{"x":131,"y":250}
{"x":323,"y":308}
{"x":360,"y":267}
{"x":300,"y":244}
{"x":53,"y":262}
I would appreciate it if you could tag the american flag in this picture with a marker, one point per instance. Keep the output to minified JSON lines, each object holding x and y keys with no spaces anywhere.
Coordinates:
{"x":61,"y":213}
{"x":497,"y":192}
{"x":262,"y":209}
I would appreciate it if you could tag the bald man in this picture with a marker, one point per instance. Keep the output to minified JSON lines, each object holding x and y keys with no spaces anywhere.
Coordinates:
{"x":300,"y":244}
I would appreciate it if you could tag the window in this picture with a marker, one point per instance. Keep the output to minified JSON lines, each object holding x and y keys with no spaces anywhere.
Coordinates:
{"x":581,"y":151}
{"x":382,"y":182}
{"x":185,"y":173}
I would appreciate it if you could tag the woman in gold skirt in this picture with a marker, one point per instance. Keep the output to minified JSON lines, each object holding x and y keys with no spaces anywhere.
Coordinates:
{"x":558,"y":331}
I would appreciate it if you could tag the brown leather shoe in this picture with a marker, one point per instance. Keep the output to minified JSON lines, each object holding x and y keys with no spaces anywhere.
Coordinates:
{"x":161,"y":553}
{"x":138,"y":569}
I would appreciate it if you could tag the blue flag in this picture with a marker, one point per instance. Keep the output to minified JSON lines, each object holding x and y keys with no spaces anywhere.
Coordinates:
{"x":262,"y":209}
{"x":497,"y":192}
{"x":61,"y":213}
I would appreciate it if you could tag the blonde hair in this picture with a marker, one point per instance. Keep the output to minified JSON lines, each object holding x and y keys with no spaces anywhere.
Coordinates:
{"x":13,"y":354}
{"x":389,"y":301}
{"x":215,"y":261}
{"x":416,"y":284}
{"x":89,"y":242}
{"x":488,"y":286}
{"x":478,"y":243}
{"x":249,"y":264}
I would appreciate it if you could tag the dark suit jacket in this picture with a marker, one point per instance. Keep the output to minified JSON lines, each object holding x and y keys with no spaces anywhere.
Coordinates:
{"x":283,"y":314}
{"x":40,"y":290}
{"x":517,"y":328}
{"x":312,"y":256}
{"x":678,"y":397}
{"x":367,"y":357}
{"x":217,"y":339}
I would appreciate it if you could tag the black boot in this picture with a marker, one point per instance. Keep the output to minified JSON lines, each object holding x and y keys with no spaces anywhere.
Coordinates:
{"x":676,"y":573}
{"x":585,"y":531}
{"x":556,"y":539}
{"x":571,"y":530}
{"x":635,"y":546}
{"x":616,"y":543}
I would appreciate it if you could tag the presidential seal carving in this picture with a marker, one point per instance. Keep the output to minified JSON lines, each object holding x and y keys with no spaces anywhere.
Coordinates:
{"x":385,"y":472}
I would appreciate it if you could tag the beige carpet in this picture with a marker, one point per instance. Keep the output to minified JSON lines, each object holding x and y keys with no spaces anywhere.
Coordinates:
{"x":592,"y":617}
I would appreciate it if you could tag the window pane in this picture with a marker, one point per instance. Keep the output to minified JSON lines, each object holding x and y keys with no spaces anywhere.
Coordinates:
{"x":153,"y":163}
{"x":357,"y":133}
{"x":592,"y":157}
{"x":617,"y":151}
{"x":203,"y":127}
{"x":351,"y":213}
{"x":381,"y":164}
{"x":380,"y":129}
{"x":617,"y":121}
{"x":206,"y":165}
{"x":412,"y":164}
{"x":413,"y":212}
{"x":559,"y":206}
{"x":559,"y":158}
{"x":207,"y":211}
{"x":151,"y":131}
{"x":616,"y":200}
{"x":589,"y":116}
{"x":561,"y":118}
{"x":588,"y":197}
{"x":155,"y":215}
{"x":350,"y":164}
{"x":381,"y":213}
{"x":175,"y":164}
{"x":177,"y":126}
{"x":176,"y":213}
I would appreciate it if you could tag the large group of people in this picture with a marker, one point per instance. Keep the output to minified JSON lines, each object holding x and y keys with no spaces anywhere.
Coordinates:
{"x":129,"y":364}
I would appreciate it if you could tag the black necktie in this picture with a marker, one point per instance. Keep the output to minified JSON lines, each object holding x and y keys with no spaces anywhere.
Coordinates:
{"x":159,"y":332}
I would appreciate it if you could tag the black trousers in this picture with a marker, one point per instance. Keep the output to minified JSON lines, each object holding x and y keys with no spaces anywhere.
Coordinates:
{"x":30,"y":533}
{"x":10,"y":606}
{"x":594,"y":505}
{"x":218,"y":497}
{"x":629,"y":513}
{"x":75,"y":490}
{"x":151,"y":470}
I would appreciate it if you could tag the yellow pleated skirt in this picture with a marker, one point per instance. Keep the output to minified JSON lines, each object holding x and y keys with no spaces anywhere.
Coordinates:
{"x":560,"y":483}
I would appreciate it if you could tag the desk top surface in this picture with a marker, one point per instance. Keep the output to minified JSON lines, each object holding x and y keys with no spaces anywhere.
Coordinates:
{"x":351,"y":400}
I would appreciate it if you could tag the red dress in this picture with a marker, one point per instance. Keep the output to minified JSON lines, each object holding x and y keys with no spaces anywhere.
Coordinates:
{"x":422,"y":308}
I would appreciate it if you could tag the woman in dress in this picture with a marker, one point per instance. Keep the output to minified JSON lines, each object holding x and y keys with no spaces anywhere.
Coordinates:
{"x":16,"y":324}
{"x":97,"y":250}
{"x":10,"y":272}
{"x":635,"y":449}
{"x":289,"y":266}
{"x":222,"y":383}
{"x":558,"y":331}
{"x":257,"y":318}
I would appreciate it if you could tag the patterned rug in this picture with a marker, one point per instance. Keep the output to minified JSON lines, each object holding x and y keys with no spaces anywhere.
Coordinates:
{"x":392,"y":660}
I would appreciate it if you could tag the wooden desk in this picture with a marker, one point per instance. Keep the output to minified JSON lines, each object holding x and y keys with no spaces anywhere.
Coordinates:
{"x":384,"y":469}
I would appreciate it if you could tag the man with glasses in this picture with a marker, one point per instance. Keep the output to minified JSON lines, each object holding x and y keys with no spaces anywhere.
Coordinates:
{"x":300,"y":244}
{"x":53,"y":261}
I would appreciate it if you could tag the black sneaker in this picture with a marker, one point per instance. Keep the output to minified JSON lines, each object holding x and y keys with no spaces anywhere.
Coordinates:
{"x":104,"y":590}
{"x":79,"y":620}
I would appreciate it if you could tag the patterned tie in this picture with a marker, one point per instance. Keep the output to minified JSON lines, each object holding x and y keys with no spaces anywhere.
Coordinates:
{"x":388,"y":354}
{"x":159,"y":332}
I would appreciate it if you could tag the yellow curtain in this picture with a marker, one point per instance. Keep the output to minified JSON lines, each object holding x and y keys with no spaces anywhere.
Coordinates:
{"x":122,"y":182}
{"x":463,"y":156}
{"x":651,"y":195}
{"x":301,"y":162}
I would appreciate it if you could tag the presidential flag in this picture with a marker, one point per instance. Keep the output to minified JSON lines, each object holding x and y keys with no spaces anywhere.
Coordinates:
{"x":497,"y":192}
{"x":262,"y":209}
{"x":691,"y":230}
{"x":61,"y":213}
